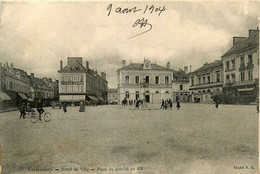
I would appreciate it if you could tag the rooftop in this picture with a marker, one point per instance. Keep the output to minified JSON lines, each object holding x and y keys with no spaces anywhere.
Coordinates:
{"x":244,"y":43}
{"x":139,"y":66}
{"x":208,"y":66}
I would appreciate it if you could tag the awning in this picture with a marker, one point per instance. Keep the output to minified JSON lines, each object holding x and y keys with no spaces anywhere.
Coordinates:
{"x":23,"y":96}
{"x":100,"y":98}
{"x":4,"y":96}
{"x":245,"y":89}
{"x":92,"y":97}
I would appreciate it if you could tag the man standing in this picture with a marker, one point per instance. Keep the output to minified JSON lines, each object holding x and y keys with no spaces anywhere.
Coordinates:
{"x":22,"y":110}
{"x":178,"y":104}
{"x":162,"y":105}
{"x":217,"y":103}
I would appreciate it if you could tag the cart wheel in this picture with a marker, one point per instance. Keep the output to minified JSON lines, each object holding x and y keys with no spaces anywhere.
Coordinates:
{"x":47,"y":117}
{"x":34,"y":117}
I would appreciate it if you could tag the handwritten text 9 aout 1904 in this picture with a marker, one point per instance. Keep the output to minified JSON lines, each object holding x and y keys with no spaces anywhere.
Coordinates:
{"x":148,"y":9}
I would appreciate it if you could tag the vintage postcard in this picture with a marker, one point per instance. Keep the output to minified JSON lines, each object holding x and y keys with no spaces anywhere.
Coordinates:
{"x":166,"y":87}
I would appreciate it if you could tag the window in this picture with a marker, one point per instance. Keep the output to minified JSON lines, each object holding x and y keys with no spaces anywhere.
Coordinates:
{"x":137,"y":79}
{"x":77,"y":68}
{"x":217,"y":77}
{"x":227,"y":65}
{"x":63,"y":78}
{"x":69,"y":78}
{"x":166,"y":79}
{"x":242,"y":76}
{"x":127,"y":94}
{"x":242,"y":61}
{"x":136,"y":95}
{"x":192,"y":82}
{"x":81,"y":78}
{"x":146,"y":79}
{"x":227,"y":79}
{"x":208,"y":79}
{"x":204,"y":80}
{"x":69,"y":88}
{"x":199,"y":80}
{"x":127,"y":79}
{"x":75,"y":78}
{"x":156,"y":79}
{"x":250,"y":75}
{"x":81,"y":88}
{"x":157,"y":92}
{"x":250,"y":60}
{"x":167,"y":92}
{"x":181,"y":87}
{"x":233,"y":77}
{"x":233,"y":64}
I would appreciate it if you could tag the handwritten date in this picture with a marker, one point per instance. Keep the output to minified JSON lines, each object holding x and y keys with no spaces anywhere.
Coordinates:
{"x":148,"y":9}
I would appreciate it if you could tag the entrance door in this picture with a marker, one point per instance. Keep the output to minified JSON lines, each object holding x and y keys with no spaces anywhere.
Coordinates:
{"x":147,"y":98}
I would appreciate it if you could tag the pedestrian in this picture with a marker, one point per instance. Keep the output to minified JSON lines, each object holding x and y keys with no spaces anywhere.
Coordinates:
{"x":22,"y":109}
{"x":178,"y":104}
{"x":166,"y":104}
{"x":82,"y":107}
{"x":217,"y":103}
{"x":170,"y":102}
{"x":137,"y":104}
{"x":64,"y":107}
{"x":162,"y":105}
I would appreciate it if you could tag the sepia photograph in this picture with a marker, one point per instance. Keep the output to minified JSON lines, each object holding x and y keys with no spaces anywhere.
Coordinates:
{"x":120,"y":87}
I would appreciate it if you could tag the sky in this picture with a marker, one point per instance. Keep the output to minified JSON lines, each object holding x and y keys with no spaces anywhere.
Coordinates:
{"x":35,"y":36}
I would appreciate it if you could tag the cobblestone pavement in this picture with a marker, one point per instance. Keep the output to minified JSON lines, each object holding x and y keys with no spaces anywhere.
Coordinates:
{"x":196,"y":139}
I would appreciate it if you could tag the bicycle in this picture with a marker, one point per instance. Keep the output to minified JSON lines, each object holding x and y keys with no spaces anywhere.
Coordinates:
{"x":45,"y":115}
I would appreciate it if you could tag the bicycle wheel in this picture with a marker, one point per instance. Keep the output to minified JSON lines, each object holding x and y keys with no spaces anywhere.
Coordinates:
{"x":47,"y":116}
{"x":34,"y":117}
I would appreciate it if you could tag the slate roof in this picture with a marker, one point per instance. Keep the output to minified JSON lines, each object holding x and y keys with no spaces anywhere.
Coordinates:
{"x":73,"y":67}
{"x":180,"y":76}
{"x":139,"y":66}
{"x":245,"y":44}
{"x":208,"y":66}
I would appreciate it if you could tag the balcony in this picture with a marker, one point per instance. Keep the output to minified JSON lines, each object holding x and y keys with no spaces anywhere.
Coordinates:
{"x":242,"y":67}
{"x":250,"y":66}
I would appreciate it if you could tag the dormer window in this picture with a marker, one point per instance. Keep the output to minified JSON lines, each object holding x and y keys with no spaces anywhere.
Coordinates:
{"x":77,"y":68}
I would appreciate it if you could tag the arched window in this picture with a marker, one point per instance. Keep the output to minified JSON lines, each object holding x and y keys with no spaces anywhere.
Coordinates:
{"x":167,"y":92}
{"x":127,"y":94}
{"x":157,"y":92}
{"x":136,"y":95}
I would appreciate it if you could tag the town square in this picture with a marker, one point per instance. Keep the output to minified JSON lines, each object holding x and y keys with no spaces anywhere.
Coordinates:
{"x":136,"y":87}
{"x":168,"y":141}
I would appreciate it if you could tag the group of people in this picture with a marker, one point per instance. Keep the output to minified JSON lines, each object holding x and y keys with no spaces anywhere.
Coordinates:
{"x":169,"y":104}
{"x":23,"y":108}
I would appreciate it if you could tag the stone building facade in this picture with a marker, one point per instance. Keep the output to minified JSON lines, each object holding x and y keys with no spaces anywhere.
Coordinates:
{"x":79,"y":83}
{"x":180,"y":85}
{"x":146,"y":81}
{"x":241,"y":68}
{"x":206,"y":82}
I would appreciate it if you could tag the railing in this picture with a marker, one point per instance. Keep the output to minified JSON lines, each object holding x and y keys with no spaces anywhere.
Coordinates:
{"x":240,"y":83}
{"x":243,"y":67}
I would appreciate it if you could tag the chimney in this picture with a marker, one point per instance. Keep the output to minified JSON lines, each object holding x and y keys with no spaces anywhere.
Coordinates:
{"x":32,"y":75}
{"x":87,"y":65}
{"x":190,"y":68}
{"x":186,"y":69}
{"x":123,"y":63}
{"x":252,"y":32}
{"x":237,"y":39}
{"x":103,"y":75}
{"x":168,"y":65}
{"x":61,"y":66}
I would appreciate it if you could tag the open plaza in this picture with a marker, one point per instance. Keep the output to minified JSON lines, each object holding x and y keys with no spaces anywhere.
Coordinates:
{"x":198,"y":138}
